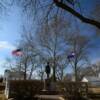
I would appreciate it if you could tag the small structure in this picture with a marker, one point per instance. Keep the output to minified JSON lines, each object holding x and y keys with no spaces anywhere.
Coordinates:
{"x":11,"y":75}
{"x":92,"y":80}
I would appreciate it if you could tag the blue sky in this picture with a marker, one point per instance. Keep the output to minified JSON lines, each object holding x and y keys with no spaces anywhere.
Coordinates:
{"x":10,"y":26}
{"x":10,"y":29}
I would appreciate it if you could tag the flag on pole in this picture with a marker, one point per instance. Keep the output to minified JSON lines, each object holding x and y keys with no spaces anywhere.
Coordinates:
{"x":72,"y":55}
{"x":17,"y":52}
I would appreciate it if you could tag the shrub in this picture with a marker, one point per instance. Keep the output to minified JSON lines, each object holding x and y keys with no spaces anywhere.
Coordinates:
{"x":24,"y":89}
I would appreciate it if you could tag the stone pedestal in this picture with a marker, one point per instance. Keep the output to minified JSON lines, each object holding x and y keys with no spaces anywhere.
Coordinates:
{"x":50,"y":85}
{"x":53,"y":86}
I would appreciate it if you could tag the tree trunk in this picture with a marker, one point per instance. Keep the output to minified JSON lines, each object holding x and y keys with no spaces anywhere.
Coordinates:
{"x":54,"y":73}
{"x":25,"y":71}
{"x":76,"y":77}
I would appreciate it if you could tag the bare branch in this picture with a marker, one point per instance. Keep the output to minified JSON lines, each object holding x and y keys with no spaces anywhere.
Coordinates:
{"x":75,"y":13}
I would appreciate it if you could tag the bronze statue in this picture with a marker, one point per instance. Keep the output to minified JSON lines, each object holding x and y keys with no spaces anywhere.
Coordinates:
{"x":47,"y":70}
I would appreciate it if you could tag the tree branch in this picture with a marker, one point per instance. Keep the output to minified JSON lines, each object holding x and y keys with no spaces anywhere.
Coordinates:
{"x":75,"y":13}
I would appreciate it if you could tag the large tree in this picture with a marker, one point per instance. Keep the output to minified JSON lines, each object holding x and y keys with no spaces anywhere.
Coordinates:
{"x":64,"y":5}
{"x":51,"y":7}
{"x":51,"y":41}
{"x":80,"y":45}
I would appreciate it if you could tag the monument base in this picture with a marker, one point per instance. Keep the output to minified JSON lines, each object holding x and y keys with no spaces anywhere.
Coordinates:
{"x":49,"y":88}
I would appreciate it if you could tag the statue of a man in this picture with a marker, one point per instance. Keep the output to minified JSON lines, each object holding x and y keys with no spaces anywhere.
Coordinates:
{"x":47,"y":70}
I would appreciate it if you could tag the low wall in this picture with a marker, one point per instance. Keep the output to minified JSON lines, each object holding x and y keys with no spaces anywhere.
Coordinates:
{"x":24,"y":88}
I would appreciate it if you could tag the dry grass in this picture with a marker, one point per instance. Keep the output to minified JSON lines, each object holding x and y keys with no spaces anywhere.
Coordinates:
{"x":2,"y":97}
{"x":95,"y":90}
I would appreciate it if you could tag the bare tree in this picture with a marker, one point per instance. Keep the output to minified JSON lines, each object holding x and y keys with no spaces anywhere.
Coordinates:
{"x":90,"y":70}
{"x":61,"y":67}
{"x":52,"y":7}
{"x":9,"y":64}
{"x":51,"y":40}
{"x":96,"y":68}
{"x":27,"y":62}
{"x":80,"y":45}
{"x":86,"y":71}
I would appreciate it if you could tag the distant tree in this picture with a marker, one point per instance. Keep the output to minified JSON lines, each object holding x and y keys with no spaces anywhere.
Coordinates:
{"x":86,"y":71}
{"x":27,"y":62}
{"x":9,"y":63}
{"x":96,"y":68}
{"x":41,"y":72}
{"x":80,"y":45}
{"x":90,"y":70}
{"x":61,"y":67}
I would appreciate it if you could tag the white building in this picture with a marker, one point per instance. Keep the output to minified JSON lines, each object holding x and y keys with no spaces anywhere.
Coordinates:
{"x":11,"y":75}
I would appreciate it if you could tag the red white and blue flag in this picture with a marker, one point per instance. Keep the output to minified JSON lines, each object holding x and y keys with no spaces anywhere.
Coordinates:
{"x":17,"y":52}
{"x":72,"y":55}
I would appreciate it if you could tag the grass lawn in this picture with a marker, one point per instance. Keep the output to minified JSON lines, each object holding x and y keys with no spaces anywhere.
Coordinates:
{"x":2,"y":97}
{"x":95,"y":90}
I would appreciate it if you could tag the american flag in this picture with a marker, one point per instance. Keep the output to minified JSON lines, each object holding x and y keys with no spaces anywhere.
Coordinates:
{"x":72,"y":55}
{"x":17,"y":52}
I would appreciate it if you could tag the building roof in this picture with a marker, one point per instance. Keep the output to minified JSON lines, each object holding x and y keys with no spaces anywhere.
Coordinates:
{"x":93,"y":79}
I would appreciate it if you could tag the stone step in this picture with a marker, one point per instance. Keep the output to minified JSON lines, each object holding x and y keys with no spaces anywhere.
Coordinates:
{"x":48,"y":92}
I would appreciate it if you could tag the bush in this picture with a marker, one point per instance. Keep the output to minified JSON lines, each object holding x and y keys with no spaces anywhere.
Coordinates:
{"x":74,"y":90}
{"x":24,"y":89}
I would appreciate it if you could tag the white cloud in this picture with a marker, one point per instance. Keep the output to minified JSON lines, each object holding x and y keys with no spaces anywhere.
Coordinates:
{"x":6,"y":45}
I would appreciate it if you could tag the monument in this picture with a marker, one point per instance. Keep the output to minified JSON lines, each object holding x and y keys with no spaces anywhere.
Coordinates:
{"x":47,"y":70}
{"x":47,"y":81}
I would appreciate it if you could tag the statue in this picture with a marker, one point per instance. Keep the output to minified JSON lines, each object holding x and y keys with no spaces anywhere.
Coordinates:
{"x":47,"y":70}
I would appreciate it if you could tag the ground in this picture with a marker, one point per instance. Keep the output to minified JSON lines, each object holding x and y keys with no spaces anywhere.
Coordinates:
{"x":2,"y":97}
